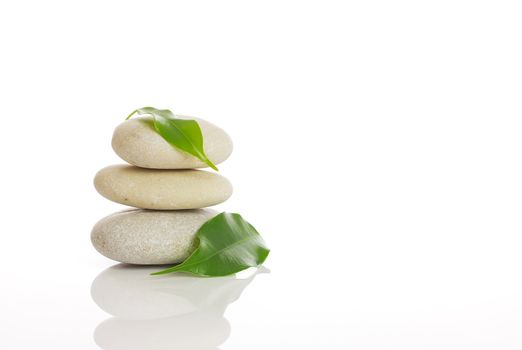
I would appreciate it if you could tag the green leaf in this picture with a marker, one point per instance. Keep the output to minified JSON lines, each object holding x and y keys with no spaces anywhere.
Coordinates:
{"x":182,"y":134}
{"x":227,"y":244}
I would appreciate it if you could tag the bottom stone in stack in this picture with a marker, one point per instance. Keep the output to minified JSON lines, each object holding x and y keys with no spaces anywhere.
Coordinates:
{"x":148,"y":237}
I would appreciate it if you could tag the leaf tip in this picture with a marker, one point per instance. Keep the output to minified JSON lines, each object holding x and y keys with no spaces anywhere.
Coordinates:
{"x":157,"y":273}
{"x":207,"y":161}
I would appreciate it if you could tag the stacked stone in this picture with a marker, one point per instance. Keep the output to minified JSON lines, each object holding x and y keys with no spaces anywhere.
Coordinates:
{"x":170,"y":194}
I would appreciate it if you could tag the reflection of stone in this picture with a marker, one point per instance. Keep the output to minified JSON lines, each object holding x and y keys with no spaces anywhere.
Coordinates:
{"x":198,"y":330}
{"x":160,"y":312}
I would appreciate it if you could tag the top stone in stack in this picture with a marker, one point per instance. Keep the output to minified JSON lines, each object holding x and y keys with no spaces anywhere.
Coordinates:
{"x":137,"y":143}
{"x":162,"y":177}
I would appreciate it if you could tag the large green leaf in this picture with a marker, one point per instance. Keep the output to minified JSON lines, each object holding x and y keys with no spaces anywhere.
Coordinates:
{"x":227,"y":244}
{"x":183,"y":134}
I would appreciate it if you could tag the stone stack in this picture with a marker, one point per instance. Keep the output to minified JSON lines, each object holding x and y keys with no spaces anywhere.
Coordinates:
{"x":170,"y":194}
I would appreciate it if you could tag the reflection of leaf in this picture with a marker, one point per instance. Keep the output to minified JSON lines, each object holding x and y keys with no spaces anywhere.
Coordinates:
{"x":227,"y":244}
{"x":182,"y":134}
{"x":209,"y":293}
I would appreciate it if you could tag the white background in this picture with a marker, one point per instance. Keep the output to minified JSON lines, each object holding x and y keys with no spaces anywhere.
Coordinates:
{"x":377,"y":150}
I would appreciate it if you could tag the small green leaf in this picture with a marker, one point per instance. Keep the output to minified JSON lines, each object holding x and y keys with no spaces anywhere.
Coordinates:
{"x":227,"y":244}
{"x":182,"y":134}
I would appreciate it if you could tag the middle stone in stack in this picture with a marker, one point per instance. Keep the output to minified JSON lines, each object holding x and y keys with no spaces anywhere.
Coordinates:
{"x":169,"y":193}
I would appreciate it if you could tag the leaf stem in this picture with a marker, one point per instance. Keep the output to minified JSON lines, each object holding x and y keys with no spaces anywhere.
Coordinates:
{"x":130,"y":115}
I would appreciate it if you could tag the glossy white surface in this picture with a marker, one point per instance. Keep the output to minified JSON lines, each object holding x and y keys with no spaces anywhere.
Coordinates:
{"x":376,"y":148}
{"x":170,"y":311}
